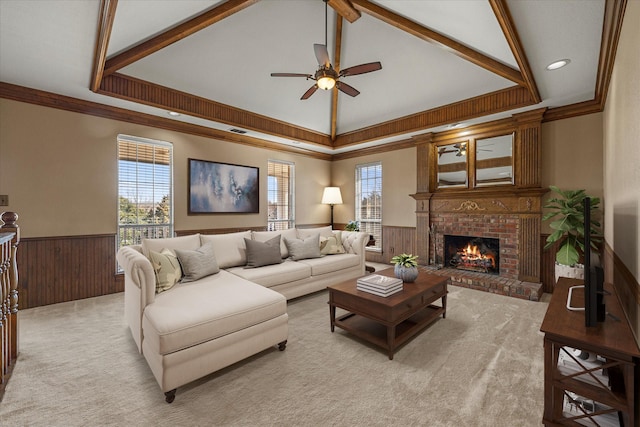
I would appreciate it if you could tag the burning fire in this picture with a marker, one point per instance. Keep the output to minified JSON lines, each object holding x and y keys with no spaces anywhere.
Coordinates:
{"x":472,"y":257}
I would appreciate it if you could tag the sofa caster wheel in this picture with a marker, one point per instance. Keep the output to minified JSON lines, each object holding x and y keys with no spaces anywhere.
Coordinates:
{"x":170,"y":395}
{"x":282,"y":345}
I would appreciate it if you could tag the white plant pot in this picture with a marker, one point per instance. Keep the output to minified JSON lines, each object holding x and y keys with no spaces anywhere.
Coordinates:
{"x":575,"y":272}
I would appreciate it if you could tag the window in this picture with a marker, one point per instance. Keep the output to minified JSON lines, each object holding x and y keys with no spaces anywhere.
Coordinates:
{"x":280,"y":195}
{"x":369,"y":200}
{"x":145,"y":190}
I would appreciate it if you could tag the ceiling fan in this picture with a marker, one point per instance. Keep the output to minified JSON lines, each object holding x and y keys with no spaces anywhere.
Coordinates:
{"x":326,"y":77}
{"x":459,"y":148}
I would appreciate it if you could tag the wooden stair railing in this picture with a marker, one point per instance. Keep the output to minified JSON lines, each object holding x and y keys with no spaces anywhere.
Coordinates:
{"x":9,"y":239}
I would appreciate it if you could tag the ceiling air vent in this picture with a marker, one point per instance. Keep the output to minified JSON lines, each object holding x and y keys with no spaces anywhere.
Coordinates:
{"x":240,"y":131}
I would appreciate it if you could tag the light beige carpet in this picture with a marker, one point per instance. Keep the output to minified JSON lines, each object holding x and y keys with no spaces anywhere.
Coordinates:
{"x":481,"y":366}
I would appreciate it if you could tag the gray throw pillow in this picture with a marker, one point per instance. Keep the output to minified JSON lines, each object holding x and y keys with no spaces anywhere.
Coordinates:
{"x":197,"y":264}
{"x":303,"y":249}
{"x":263,"y":253}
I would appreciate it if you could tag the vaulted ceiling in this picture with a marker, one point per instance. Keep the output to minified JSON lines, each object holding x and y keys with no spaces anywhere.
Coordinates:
{"x":444,"y":63}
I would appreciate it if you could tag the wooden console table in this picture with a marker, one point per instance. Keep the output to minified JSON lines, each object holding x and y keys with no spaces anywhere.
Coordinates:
{"x":612,"y":341}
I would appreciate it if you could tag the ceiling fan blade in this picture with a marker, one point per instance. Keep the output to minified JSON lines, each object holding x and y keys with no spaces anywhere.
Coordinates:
{"x":349,"y":90}
{"x":322,"y":54}
{"x":290,"y":75}
{"x":361,"y":69}
{"x":310,"y":92}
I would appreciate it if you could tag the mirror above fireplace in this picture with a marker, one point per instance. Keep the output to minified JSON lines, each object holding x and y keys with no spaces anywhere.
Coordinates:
{"x":494,"y":160}
{"x":452,"y":165}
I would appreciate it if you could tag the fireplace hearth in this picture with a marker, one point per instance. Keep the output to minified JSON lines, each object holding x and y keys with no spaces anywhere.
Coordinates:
{"x":472,"y":253}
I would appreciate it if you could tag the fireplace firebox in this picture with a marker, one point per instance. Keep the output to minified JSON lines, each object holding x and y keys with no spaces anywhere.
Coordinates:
{"x":479,"y":254}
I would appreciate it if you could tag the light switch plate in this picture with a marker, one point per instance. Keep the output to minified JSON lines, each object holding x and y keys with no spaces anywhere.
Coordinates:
{"x":4,"y":200}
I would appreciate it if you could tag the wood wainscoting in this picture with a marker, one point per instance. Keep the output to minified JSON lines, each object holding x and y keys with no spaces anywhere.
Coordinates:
{"x":395,"y":241}
{"x":58,"y":269}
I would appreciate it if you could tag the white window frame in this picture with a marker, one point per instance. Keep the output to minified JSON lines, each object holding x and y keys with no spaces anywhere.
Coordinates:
{"x":372,"y":226}
{"x":289,"y":220}
{"x":135,"y":232}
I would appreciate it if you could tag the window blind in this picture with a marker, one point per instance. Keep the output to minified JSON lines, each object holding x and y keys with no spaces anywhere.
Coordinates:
{"x":145,"y":190}
{"x":369,"y":200}
{"x":280,"y":195}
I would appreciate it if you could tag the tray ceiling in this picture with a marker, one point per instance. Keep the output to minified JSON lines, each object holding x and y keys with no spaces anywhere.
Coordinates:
{"x":50,"y":45}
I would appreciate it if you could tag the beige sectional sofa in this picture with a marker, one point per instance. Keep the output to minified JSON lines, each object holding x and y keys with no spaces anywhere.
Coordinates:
{"x":233,"y":307}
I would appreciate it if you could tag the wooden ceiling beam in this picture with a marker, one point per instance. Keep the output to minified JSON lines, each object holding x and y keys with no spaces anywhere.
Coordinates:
{"x":434,"y":37}
{"x":472,"y":108}
{"x":61,"y":102}
{"x":175,"y":34}
{"x":501,"y":10}
{"x":345,"y":9}
{"x":612,"y":26}
{"x":105,"y":25}
{"x":334,"y":94}
{"x":137,"y":90}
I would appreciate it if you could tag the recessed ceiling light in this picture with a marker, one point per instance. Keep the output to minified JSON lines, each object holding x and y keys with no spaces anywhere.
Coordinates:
{"x":558,"y":64}
{"x":173,"y":114}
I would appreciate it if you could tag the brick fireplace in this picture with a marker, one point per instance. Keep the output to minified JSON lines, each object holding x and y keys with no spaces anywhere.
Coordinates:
{"x":510,"y":213}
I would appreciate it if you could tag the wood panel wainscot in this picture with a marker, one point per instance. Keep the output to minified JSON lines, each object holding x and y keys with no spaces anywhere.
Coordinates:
{"x":59,"y":269}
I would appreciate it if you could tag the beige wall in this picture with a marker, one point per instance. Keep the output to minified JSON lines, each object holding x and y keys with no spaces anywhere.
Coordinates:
{"x":572,"y":155}
{"x":622,"y":146}
{"x":398,"y":182}
{"x":60,"y":172}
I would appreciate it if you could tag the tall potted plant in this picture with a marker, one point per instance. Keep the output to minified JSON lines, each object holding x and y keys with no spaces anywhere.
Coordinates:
{"x":566,"y":210}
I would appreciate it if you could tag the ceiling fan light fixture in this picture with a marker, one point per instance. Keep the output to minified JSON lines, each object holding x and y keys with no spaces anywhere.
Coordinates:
{"x":326,"y":82}
{"x":326,"y":78}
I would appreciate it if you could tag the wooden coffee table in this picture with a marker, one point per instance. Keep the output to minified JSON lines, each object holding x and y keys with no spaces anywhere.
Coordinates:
{"x":388,"y":322}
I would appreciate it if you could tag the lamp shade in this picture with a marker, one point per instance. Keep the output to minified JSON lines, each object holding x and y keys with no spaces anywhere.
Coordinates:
{"x":331,"y":196}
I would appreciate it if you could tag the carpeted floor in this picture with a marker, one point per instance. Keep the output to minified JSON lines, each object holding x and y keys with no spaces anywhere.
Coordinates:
{"x":481,"y":366}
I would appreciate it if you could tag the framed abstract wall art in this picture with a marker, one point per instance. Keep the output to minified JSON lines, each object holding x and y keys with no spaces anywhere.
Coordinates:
{"x":222,"y":188}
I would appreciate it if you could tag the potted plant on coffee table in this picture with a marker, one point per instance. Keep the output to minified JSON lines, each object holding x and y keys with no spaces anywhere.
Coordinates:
{"x":566,"y":210}
{"x":406,"y":267}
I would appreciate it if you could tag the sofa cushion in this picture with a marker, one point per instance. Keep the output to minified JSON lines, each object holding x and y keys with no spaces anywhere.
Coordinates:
{"x":191,"y":243}
{"x":195,"y":312}
{"x":271,"y":275}
{"x":303,"y":249}
{"x":263,"y":236}
{"x":263,"y":253}
{"x":229,"y":248}
{"x":332,"y":245}
{"x":166,"y":269}
{"x":332,"y":263}
{"x":197,"y":264}
{"x":303,"y":233}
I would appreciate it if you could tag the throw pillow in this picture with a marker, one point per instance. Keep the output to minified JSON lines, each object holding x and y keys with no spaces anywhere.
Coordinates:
{"x":303,"y":233}
{"x":166,"y":269}
{"x":197,"y":264}
{"x":191,"y":242}
{"x":303,"y":249}
{"x":332,"y":245}
{"x":263,"y":236}
{"x":263,"y":253}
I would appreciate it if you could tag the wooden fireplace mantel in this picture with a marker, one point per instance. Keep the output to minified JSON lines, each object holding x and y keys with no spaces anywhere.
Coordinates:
{"x":485,"y":200}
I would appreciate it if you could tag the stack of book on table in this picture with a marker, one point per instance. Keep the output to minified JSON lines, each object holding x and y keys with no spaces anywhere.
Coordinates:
{"x":379,"y":285}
